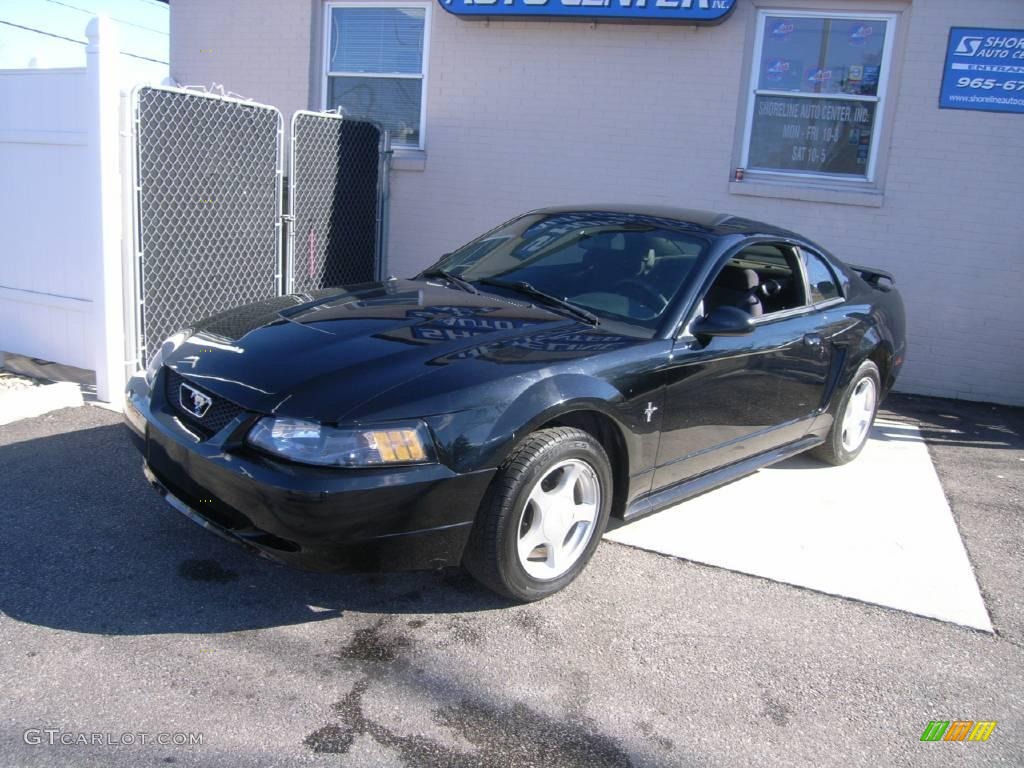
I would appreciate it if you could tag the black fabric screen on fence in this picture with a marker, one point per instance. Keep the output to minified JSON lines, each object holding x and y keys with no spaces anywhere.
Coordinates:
{"x":335,"y":199}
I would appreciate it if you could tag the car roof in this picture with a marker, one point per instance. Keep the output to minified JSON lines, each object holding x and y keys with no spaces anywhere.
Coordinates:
{"x":711,"y":222}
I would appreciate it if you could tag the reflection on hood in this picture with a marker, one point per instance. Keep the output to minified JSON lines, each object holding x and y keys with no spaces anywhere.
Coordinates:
{"x":541,"y":347}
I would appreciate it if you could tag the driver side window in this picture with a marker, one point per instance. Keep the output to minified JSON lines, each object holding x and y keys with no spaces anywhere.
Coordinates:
{"x":762,"y":279}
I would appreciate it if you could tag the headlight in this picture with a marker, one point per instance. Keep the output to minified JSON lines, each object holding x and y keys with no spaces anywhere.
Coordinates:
{"x":312,"y":443}
{"x":166,"y":349}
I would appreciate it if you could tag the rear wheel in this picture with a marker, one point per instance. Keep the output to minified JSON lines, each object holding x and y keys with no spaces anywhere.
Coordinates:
{"x":854,"y":417}
{"x":543,"y":516}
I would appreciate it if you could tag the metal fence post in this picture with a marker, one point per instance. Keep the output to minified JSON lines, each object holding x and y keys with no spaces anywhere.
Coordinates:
{"x":383,"y":204}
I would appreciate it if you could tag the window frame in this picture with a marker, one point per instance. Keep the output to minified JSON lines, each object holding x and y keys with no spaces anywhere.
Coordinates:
{"x":807,"y":253}
{"x":327,"y":73}
{"x":792,"y":253}
{"x":796,"y":250}
{"x":881,"y":99}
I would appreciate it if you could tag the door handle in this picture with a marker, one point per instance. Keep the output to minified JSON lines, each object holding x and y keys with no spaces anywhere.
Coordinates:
{"x":812,"y":340}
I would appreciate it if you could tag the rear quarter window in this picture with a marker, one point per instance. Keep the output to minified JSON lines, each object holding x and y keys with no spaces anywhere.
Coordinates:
{"x":822,"y":283}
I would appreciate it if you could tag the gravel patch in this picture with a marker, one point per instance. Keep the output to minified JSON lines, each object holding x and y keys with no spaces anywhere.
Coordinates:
{"x":12,"y":382}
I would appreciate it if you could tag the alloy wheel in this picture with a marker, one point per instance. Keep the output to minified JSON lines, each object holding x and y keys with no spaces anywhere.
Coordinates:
{"x":860,"y":410}
{"x":558,"y":519}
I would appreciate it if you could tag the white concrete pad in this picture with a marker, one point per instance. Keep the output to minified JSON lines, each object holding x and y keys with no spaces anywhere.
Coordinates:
{"x":35,"y":401}
{"x":878,"y":529}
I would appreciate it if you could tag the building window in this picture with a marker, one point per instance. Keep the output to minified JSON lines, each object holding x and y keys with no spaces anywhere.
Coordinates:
{"x":818,"y":94}
{"x":376,"y":65}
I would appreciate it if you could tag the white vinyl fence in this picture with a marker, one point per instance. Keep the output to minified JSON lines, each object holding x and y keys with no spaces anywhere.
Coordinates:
{"x":126,"y":216}
{"x":61,"y":276}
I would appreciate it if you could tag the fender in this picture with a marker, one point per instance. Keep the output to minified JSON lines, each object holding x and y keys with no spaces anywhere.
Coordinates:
{"x":853,"y":356}
{"x":869,"y":341}
{"x":877,"y":344}
{"x":552,"y":397}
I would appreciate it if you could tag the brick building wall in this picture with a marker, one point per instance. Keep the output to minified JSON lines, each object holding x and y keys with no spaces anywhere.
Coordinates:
{"x":527,"y":114}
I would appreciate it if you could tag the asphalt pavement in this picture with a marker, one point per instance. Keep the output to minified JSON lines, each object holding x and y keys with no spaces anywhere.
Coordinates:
{"x":122,"y":624}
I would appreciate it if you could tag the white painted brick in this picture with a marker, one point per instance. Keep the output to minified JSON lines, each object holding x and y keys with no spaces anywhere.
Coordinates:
{"x":522,"y":115}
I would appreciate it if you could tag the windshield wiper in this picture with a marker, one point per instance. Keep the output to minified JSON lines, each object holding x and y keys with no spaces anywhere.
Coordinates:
{"x":453,"y":279}
{"x":526,"y":288}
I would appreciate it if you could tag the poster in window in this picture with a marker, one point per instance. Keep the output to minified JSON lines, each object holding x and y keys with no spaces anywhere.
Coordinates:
{"x":812,"y":135}
{"x":822,"y":55}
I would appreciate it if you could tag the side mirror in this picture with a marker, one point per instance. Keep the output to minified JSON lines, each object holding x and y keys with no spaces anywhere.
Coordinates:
{"x":723,"y":321}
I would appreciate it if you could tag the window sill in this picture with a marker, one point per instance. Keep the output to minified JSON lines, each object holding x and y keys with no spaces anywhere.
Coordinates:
{"x":869,"y":198}
{"x":409,"y":160}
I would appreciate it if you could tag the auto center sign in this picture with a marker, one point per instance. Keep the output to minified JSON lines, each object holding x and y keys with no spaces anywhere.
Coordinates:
{"x":984,"y":70}
{"x":666,"y":11}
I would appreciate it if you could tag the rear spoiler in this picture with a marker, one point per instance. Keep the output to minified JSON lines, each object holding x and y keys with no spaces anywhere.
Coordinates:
{"x":872,"y":276}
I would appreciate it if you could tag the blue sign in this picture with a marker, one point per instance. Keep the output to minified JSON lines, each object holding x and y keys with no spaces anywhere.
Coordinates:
{"x":678,"y":11}
{"x":984,"y":70}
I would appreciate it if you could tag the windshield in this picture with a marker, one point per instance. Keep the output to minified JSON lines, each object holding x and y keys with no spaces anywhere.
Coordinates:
{"x":620,"y":266}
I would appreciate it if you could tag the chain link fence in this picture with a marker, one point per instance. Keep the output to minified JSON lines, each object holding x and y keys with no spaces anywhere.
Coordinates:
{"x":208,"y":208}
{"x":336,"y":191}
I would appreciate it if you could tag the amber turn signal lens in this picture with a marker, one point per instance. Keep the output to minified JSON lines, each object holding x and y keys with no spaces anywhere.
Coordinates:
{"x":399,"y":445}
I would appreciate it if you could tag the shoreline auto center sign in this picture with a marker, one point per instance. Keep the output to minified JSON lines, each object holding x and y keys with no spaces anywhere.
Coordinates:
{"x":678,"y":11}
{"x":984,"y":70}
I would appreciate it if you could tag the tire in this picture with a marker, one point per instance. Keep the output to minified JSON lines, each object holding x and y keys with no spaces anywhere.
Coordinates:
{"x":847,"y":438}
{"x":558,"y":476}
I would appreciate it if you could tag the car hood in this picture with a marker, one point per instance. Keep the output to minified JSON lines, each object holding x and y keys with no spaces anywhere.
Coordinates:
{"x":324,"y":355}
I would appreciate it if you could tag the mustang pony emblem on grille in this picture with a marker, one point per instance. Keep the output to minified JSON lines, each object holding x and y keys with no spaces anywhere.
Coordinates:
{"x":194,"y":401}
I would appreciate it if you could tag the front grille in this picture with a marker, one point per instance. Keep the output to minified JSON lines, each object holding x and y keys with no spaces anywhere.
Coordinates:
{"x":217,"y":416}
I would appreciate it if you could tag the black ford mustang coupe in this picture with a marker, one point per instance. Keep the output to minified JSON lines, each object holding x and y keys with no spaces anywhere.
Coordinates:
{"x":570,"y":365}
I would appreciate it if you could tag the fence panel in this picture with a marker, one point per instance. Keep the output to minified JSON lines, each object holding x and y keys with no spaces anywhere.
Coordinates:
{"x":208,"y":209}
{"x":337,"y":191}
{"x":47,"y":199}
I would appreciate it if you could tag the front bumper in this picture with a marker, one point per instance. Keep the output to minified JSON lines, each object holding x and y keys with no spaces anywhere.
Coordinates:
{"x":396,"y":518}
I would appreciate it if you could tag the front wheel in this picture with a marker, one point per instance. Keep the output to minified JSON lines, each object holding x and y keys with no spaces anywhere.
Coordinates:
{"x":854,"y":417}
{"x":543,"y":516}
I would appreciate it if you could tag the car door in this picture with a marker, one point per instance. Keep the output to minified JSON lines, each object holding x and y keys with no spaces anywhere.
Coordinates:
{"x":730,"y":397}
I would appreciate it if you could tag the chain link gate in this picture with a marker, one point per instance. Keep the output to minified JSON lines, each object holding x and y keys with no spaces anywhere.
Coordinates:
{"x":337,"y":191}
{"x":207,"y":209}
{"x":208,"y":186}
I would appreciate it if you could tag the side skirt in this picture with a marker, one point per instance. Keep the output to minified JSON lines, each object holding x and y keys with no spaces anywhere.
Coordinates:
{"x":667,"y":497}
